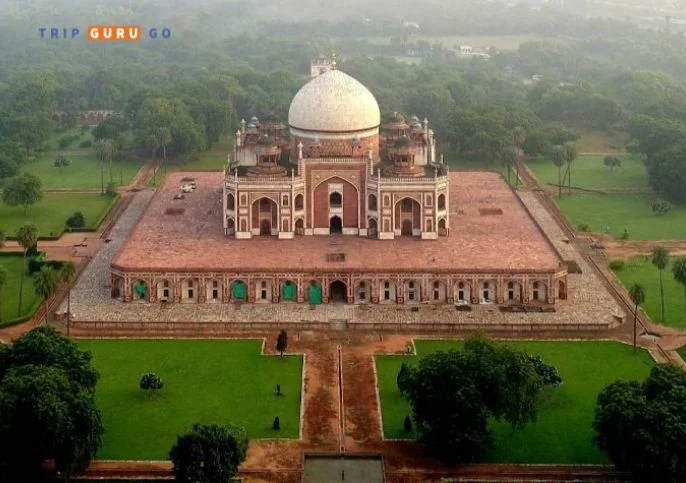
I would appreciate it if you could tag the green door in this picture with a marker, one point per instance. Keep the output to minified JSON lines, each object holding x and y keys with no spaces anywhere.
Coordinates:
{"x":140,"y":288}
{"x":288,"y":291}
{"x":314,"y":294}
{"x":238,"y":290}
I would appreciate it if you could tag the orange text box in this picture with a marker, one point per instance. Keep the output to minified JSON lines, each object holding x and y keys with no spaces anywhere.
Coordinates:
{"x":109,"y":33}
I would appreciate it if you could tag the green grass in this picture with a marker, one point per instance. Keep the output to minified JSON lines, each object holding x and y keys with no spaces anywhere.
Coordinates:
{"x":640,"y":270}
{"x":206,"y":381}
{"x":562,"y":432}
{"x":51,"y":212}
{"x":9,"y":295}
{"x":590,"y":172}
{"x":623,"y":211}
{"x":212,"y":160}
{"x":84,"y":172}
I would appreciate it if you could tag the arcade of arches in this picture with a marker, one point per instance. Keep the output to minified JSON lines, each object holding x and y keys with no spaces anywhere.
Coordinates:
{"x":302,"y":288}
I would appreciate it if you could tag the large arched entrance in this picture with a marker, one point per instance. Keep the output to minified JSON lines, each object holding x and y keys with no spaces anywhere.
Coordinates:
{"x":265,"y":227}
{"x":407,"y":216}
{"x":335,"y":225}
{"x":338,"y":292}
{"x":264,"y":216}
{"x":314,"y":293}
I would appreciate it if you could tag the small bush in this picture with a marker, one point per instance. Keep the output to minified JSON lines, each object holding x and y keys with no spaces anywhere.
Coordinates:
{"x":61,"y":162}
{"x":583,"y":227}
{"x":86,"y":143}
{"x":111,"y":189}
{"x":407,"y":424}
{"x":660,"y":206}
{"x":276,"y":425}
{"x":625,"y":235}
{"x":616,"y":265}
{"x":84,"y":129}
{"x":151,"y":382}
{"x":67,"y":140}
{"x":76,"y":220}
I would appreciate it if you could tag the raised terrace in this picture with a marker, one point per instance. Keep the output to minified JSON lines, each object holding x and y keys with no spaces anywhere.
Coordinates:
{"x":490,"y":232}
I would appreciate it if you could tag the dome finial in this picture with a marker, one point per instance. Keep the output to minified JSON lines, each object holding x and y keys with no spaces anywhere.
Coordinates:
{"x":334,"y":63}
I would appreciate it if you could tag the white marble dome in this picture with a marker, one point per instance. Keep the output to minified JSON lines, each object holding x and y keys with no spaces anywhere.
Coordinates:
{"x":334,"y":102}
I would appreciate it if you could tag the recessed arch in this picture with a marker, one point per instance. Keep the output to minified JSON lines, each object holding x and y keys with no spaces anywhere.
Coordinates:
{"x":335,"y":225}
{"x":165,"y":290}
{"x":335,"y":199}
{"x":230,"y":202}
{"x":463,"y":292}
{"x":441,"y":201}
{"x":338,"y":292}
{"x":372,"y":203}
{"x":299,"y":202}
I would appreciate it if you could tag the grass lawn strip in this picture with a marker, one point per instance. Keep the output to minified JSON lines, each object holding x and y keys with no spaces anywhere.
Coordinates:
{"x":51,"y":212}
{"x":626,"y":211}
{"x":10,"y":291}
{"x":562,"y":433}
{"x":206,"y":381}
{"x":588,"y":171}
{"x":639,"y":269}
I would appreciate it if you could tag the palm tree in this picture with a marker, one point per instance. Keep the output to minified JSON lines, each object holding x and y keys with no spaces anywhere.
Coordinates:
{"x":3,"y":279}
{"x":679,"y":271}
{"x":660,"y":259}
{"x":106,"y":150}
{"x":66,"y":273}
{"x":518,"y":136}
{"x":154,"y":145}
{"x":637,"y":292}
{"x":164,"y":137}
{"x":558,"y":156}
{"x":570,"y":156}
{"x":509,"y":158}
{"x":45,"y":282}
{"x":27,"y":237}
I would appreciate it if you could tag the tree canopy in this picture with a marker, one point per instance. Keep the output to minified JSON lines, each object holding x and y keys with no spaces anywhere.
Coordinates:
{"x":454,"y":395}
{"x":642,"y":427}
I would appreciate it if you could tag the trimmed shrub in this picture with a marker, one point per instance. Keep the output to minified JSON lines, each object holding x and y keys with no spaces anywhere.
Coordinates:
{"x":616,"y":265}
{"x":583,"y":227}
{"x":76,"y":220}
{"x":86,"y":143}
{"x":276,"y":425}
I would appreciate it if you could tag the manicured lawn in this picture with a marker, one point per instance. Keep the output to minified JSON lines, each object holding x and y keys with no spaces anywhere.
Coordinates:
{"x":590,"y":172}
{"x":562,"y":432}
{"x":640,"y":270}
{"x":616,"y":212}
{"x":206,"y":381}
{"x":9,"y":295}
{"x":84,"y":172}
{"x":51,"y":212}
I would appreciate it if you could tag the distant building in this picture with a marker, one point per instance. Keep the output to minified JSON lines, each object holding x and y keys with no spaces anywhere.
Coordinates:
{"x":467,"y":52}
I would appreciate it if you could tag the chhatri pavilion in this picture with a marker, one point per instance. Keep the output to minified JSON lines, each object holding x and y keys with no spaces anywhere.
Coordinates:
{"x":336,"y":207}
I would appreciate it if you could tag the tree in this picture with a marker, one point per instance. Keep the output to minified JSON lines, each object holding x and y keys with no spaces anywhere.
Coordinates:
{"x":509,"y":158}
{"x":106,"y":149}
{"x":45,"y":282}
{"x":402,"y":379}
{"x":27,"y":237}
{"x":282,"y":342}
{"x":679,"y":272}
{"x":660,"y":206}
{"x":61,"y":162}
{"x":558,"y":156}
{"x":44,"y":345}
{"x":276,"y":425}
{"x":76,"y":220}
{"x":47,"y":406}
{"x":407,"y":424}
{"x":612,"y":162}
{"x":23,"y":190}
{"x":637,"y":292}
{"x":8,"y":167}
{"x":518,"y":137}
{"x":67,"y":272}
{"x":570,"y":156}
{"x":151,"y":382}
{"x":163,"y":137}
{"x":3,"y":280}
{"x":642,"y":426}
{"x":660,"y":258}
{"x":44,"y":414}
{"x":209,"y":453}
{"x":455,"y":394}
{"x":152,"y":142}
